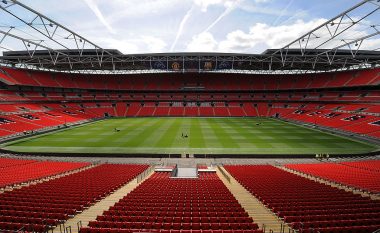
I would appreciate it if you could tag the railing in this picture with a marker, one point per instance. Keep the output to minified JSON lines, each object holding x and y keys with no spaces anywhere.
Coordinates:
{"x":68,"y":229}
{"x":224,"y":174}
{"x":48,"y":228}
{"x":282,"y":229}
{"x":30,"y":228}
{"x":140,"y":177}
{"x":79,"y":225}
{"x":290,"y":230}
{"x":61,"y":226}
{"x":174,"y":171}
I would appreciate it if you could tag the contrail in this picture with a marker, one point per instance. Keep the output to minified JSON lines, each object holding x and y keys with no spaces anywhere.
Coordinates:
{"x":282,"y":12}
{"x":224,"y":14}
{"x":91,"y":4}
{"x":181,"y":26}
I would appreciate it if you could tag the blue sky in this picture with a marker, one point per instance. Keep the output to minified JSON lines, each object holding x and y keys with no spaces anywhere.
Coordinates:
{"x":150,"y":26}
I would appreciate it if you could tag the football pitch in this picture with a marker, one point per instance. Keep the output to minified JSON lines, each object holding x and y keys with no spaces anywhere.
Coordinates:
{"x":191,"y":135}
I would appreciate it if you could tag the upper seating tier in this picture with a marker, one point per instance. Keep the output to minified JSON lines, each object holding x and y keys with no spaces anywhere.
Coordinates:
{"x":189,"y":81}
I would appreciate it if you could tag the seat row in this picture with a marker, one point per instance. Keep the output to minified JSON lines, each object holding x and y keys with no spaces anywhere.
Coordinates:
{"x":120,"y":230}
{"x":181,"y":81}
{"x":372,"y":165}
{"x":350,"y":216}
{"x":293,"y":197}
{"x":141,"y":209}
{"x":179,"y":208}
{"x":10,"y":162}
{"x":342,"y":173}
{"x":176,"y":214}
{"x":58,"y":199}
{"x":174,"y":225}
{"x":335,"y":223}
{"x":342,"y":229}
{"x":127,"y":218}
{"x":34,"y":170}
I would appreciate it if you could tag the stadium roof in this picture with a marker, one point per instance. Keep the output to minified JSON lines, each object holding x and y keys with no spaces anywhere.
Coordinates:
{"x":329,"y":47}
{"x":270,"y":60}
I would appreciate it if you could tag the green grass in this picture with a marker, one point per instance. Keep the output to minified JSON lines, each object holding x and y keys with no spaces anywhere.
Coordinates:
{"x":206,"y":135}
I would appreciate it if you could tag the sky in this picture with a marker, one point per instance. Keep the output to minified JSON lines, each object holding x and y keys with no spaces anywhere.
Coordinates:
{"x":155,"y":26}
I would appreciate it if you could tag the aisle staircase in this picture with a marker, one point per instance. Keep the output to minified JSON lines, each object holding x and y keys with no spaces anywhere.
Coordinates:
{"x":90,"y":214}
{"x":266,"y":219}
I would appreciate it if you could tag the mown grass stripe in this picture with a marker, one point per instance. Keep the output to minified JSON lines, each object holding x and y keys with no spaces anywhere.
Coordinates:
{"x":206,"y":135}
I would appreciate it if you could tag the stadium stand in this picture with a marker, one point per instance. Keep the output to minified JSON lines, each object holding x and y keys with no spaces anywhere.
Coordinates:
{"x":52,"y":78}
{"x":371,"y":165}
{"x":354,"y":176}
{"x":306,"y":205}
{"x":342,"y":101}
{"x":9,"y":162}
{"x":212,"y":82}
{"x":39,"y":207}
{"x":15,"y":171}
{"x":163,"y":204}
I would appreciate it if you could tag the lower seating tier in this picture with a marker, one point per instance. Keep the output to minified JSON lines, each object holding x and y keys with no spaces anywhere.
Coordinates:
{"x":360,"y":119}
{"x":34,"y":170}
{"x":306,"y":205}
{"x":163,"y":204}
{"x":343,"y":173}
{"x":58,"y":199}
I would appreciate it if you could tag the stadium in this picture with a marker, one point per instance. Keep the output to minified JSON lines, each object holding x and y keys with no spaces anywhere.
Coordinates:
{"x":234,"y":128}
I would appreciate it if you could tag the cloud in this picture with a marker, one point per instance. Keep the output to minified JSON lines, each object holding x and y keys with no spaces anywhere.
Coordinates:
{"x":137,"y":26}
{"x":92,"y":5}
{"x":4,"y":49}
{"x":204,"y":4}
{"x":231,"y":5}
{"x":124,"y":46}
{"x":203,"y":42}
{"x":268,"y":36}
{"x":141,"y":44}
{"x":259,"y":37}
{"x":155,"y":45}
{"x":368,"y":44}
{"x":265,"y":9}
{"x":141,"y":9}
{"x":181,"y":27}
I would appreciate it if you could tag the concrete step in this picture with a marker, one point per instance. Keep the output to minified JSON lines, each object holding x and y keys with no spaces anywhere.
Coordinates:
{"x":261,"y":215}
{"x":98,"y":208}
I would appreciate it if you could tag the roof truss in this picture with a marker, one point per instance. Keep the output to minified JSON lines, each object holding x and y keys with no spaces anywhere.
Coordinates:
{"x":344,"y":42}
{"x":39,"y":32}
